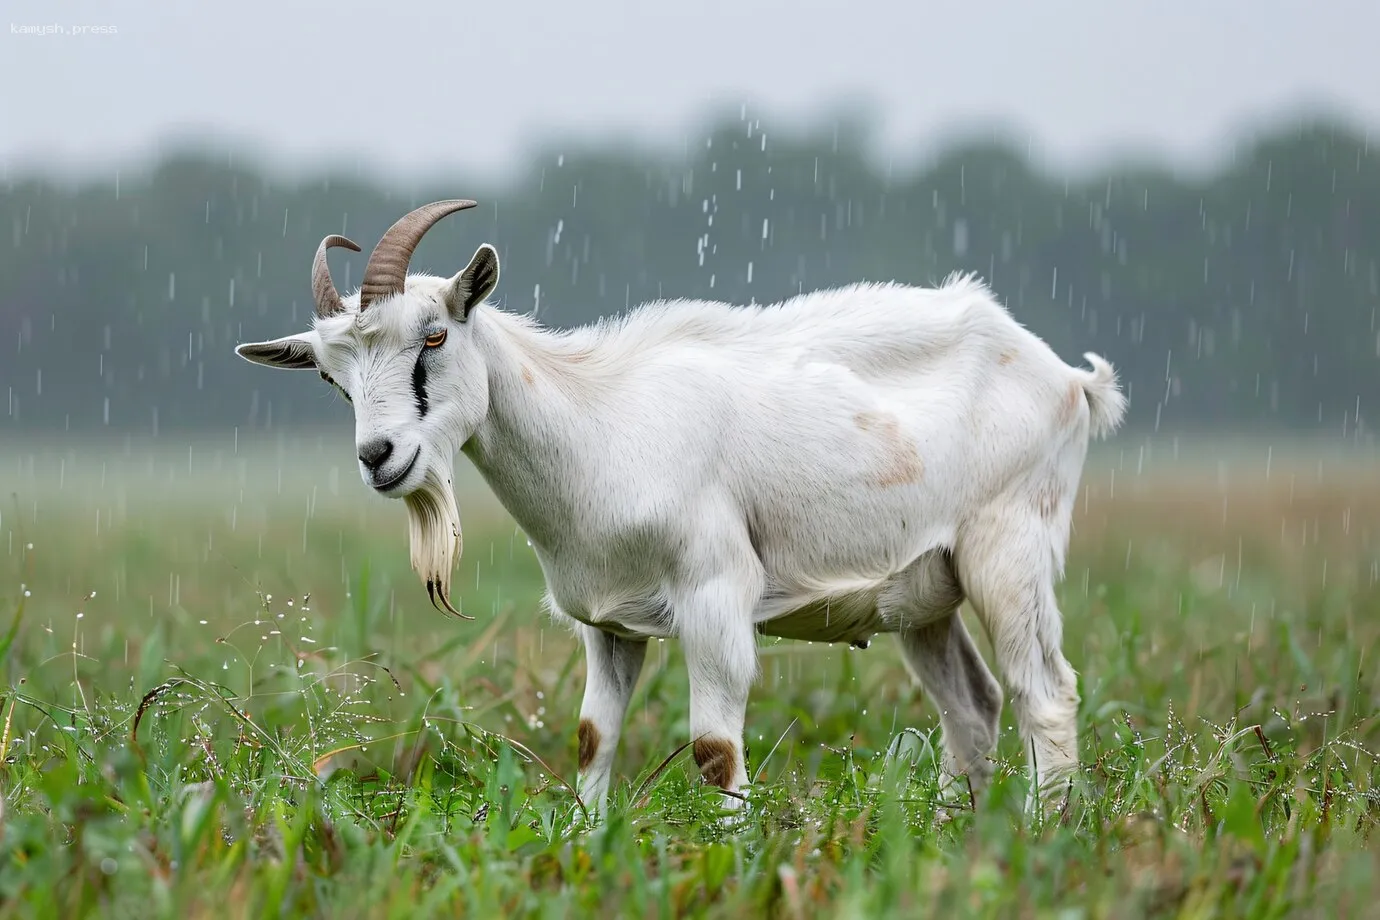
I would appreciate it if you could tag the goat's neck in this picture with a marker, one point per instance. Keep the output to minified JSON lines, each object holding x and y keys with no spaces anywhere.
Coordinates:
{"x":525,"y":447}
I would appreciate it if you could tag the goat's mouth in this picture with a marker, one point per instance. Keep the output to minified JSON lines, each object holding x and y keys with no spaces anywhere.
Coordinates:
{"x":393,"y":481}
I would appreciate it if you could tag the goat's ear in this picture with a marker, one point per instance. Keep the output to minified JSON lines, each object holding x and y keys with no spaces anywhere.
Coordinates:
{"x":291,"y":352}
{"x":472,"y":285}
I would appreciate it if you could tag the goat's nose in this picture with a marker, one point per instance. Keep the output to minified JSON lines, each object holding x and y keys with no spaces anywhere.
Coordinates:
{"x":374,"y":452}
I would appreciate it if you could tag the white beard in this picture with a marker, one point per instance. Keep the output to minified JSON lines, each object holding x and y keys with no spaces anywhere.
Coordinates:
{"x":433,"y":524}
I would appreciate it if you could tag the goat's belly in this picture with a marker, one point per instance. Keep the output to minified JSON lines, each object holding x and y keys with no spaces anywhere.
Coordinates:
{"x":851,"y":617}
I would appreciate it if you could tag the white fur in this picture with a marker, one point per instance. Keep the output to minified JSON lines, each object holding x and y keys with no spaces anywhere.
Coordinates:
{"x":847,"y":463}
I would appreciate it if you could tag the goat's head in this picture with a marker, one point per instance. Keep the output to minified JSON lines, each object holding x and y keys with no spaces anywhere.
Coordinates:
{"x":401,"y":351}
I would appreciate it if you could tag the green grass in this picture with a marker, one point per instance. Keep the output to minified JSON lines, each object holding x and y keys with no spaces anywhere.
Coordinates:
{"x":258,"y":713}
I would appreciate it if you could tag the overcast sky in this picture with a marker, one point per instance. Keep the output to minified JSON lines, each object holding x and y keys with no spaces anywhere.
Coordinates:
{"x":432,"y":84}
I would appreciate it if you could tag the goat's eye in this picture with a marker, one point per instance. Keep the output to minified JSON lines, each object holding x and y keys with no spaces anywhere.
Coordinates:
{"x":435,"y":339}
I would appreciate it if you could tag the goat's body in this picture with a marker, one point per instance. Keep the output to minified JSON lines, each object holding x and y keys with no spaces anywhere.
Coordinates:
{"x":843,"y":464}
{"x":838,"y":441}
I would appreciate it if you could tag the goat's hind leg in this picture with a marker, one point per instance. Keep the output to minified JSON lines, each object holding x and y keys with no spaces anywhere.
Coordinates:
{"x":1007,"y":563}
{"x":941,"y":655}
{"x":946,"y":661}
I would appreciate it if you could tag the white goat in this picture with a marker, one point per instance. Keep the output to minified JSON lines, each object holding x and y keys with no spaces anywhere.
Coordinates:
{"x":846,"y":463}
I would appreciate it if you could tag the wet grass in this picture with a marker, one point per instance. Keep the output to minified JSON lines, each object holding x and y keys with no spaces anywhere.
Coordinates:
{"x":224,"y":694}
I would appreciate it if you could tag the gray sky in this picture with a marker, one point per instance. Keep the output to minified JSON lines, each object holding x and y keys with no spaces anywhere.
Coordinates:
{"x":433,"y":84}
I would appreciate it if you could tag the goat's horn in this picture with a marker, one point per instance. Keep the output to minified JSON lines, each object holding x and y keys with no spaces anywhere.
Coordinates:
{"x":322,"y":287}
{"x":387,"y":268}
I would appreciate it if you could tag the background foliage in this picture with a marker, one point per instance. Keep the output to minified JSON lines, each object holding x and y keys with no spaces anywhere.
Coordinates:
{"x":1245,"y":299}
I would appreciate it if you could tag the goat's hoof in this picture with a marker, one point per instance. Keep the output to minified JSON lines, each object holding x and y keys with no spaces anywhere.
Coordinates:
{"x":735,"y":808}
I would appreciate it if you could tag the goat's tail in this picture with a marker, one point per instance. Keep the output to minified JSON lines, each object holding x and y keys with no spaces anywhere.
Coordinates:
{"x":1106,"y":402}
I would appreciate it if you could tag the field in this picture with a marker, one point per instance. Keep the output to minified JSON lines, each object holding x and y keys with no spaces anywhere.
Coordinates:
{"x":224,"y":694}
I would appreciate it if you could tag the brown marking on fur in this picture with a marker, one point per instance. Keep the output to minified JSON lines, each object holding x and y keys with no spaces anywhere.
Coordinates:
{"x":717,"y":760}
{"x":527,"y":377}
{"x":1007,"y":357}
{"x":589,"y":743}
{"x":866,"y":420}
{"x":1072,"y":399}
{"x":901,"y":461}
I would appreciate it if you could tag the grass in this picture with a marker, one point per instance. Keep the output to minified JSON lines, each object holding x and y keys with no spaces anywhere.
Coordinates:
{"x":223,"y":693}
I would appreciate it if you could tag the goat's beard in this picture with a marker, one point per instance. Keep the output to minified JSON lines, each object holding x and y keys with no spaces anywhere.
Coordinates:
{"x":433,"y":524}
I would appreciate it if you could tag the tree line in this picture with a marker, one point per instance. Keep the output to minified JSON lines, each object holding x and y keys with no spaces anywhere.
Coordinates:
{"x":1245,"y":300}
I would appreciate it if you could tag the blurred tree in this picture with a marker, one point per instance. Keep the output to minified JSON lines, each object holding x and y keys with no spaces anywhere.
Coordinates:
{"x":1246,"y":300}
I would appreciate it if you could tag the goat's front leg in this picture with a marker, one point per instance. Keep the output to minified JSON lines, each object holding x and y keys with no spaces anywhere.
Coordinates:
{"x":612,"y":668}
{"x":720,"y":646}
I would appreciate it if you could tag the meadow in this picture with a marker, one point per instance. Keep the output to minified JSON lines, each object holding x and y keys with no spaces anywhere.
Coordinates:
{"x":223,"y":693}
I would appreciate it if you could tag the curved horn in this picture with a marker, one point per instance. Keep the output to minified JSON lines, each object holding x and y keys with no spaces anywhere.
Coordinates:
{"x":322,"y":287}
{"x":387,"y":268}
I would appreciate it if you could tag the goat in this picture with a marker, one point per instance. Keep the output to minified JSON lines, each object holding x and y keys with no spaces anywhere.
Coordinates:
{"x":845,"y":463}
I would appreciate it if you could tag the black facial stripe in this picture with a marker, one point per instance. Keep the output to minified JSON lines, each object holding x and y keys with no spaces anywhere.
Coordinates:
{"x":419,"y":384}
{"x":326,"y":377}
